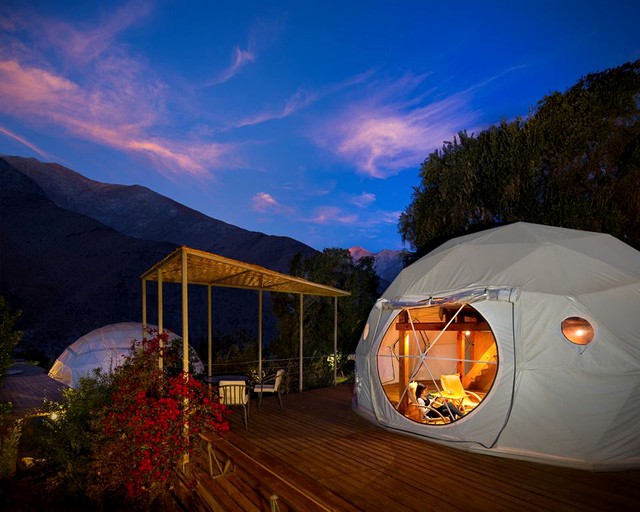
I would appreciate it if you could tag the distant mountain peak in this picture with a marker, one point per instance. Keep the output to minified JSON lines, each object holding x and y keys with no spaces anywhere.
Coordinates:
{"x":359,"y":252}
{"x":387,"y":263}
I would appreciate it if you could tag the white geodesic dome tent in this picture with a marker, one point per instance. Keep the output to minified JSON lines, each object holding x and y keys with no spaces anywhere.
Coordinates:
{"x":103,"y":348}
{"x":552,"y":400}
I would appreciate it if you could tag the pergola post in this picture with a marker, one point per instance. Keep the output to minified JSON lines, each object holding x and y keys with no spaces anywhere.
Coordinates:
{"x":144,"y":307}
{"x":185,"y":315}
{"x":260,"y":334}
{"x":160,"y":317}
{"x":335,"y":341}
{"x":301,"y":340}
{"x":209,"y":332}
{"x":185,"y":343}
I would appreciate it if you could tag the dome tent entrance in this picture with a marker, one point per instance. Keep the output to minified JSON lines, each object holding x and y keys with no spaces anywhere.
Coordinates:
{"x":105,"y":349}
{"x":552,"y":400}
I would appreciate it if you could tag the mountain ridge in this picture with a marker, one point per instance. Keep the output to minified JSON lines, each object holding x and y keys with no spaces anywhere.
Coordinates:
{"x":139,"y":212}
{"x":72,"y":251}
{"x":70,"y":273}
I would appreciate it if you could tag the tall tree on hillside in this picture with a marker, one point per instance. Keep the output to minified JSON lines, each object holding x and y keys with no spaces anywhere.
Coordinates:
{"x":334,"y":267}
{"x":574,"y":162}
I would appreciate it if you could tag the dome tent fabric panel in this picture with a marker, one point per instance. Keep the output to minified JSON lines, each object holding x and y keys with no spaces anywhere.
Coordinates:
{"x":104,"y":348}
{"x":571,"y":405}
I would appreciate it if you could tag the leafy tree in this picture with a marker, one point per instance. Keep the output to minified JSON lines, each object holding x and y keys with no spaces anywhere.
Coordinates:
{"x":9,"y":336}
{"x":574,"y":162}
{"x":334,"y":267}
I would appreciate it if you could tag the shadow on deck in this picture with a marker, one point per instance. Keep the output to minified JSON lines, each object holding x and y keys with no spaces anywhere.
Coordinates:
{"x":318,"y":454}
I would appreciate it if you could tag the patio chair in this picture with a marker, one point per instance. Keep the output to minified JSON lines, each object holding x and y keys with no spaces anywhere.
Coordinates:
{"x":270,"y":384}
{"x":452,"y":389}
{"x":434,"y":418}
{"x":233,"y":392}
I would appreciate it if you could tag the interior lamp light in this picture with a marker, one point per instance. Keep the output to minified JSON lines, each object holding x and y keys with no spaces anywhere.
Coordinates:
{"x":577,"y":330}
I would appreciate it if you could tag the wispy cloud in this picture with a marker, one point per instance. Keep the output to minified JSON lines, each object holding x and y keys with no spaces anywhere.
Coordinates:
{"x":333,"y":215}
{"x":122,"y":118}
{"x":298,"y":100}
{"x":265,"y":203}
{"x":302,"y":98}
{"x":24,"y":141}
{"x":85,"y":44}
{"x":395,"y":128}
{"x":113,"y":100}
{"x":363,"y":200}
{"x":240,"y":59}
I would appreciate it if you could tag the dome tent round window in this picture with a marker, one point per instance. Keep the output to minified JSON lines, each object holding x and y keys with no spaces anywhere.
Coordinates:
{"x":577,"y":330}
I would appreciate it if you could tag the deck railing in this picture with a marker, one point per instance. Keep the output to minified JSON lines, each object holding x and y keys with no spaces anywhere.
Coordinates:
{"x":318,"y":370}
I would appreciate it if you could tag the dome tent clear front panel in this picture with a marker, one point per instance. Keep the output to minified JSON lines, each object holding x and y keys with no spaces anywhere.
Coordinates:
{"x":436,"y":364}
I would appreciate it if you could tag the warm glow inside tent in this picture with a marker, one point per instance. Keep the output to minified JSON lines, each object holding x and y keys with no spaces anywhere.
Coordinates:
{"x":103,"y":348}
{"x":540,"y":324}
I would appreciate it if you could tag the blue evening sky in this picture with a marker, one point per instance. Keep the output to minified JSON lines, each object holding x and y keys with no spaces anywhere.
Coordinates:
{"x":308,"y":119}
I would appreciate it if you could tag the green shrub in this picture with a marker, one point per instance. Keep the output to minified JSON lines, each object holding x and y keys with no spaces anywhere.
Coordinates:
{"x":9,"y":450}
{"x":71,"y":429}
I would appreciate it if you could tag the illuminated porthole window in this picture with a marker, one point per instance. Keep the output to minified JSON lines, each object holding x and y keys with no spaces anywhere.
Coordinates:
{"x":577,"y":330}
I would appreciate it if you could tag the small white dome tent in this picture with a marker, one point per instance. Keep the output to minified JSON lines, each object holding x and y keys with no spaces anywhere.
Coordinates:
{"x":565,"y":402}
{"x":103,"y":348}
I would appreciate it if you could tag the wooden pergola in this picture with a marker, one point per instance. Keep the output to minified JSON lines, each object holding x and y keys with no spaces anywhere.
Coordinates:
{"x":187,"y":266}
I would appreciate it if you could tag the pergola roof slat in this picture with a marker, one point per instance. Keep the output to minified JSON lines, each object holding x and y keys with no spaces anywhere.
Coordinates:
{"x":215,"y":270}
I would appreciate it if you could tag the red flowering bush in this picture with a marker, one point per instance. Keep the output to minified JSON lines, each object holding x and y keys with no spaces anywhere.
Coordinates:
{"x":152,"y":421}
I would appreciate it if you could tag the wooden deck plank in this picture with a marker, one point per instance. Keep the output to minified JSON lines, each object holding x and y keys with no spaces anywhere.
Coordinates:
{"x":320,"y":435}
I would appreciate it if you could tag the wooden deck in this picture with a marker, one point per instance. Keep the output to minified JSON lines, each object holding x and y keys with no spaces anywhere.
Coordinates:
{"x":340,"y":461}
{"x":318,"y":454}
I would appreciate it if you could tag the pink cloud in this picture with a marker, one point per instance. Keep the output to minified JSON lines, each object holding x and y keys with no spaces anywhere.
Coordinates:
{"x":367,"y":219}
{"x":119,"y":111}
{"x":112,"y":98}
{"x":302,"y":99}
{"x":33,"y":85}
{"x":297,"y":101}
{"x":24,"y":141}
{"x":264,"y":202}
{"x":332,"y":215}
{"x":241,"y":58}
{"x":394,"y":127}
{"x":363,"y":200}
{"x":86,"y":45}
{"x":382,"y":140}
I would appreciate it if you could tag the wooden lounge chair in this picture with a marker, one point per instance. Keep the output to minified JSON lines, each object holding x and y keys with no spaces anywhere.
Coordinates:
{"x":426,"y":414}
{"x":452,"y":389}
